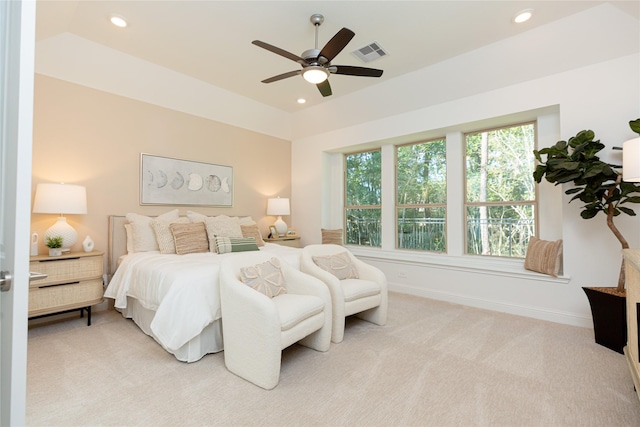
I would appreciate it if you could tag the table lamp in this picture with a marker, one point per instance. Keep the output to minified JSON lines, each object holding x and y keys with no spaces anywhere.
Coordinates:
{"x":279,"y":207}
{"x":61,"y":199}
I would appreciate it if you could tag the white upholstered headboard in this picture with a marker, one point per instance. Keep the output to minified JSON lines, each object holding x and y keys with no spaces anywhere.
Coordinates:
{"x":117,"y":244}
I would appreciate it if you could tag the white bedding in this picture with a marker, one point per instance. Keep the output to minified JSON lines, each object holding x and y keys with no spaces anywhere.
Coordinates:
{"x":181,"y":289}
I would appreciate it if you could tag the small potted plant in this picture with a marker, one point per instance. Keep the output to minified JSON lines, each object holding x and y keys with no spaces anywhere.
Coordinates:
{"x":599,"y":186}
{"x":54,"y":244}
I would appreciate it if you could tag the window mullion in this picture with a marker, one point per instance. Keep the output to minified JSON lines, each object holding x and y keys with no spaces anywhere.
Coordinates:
{"x":388,"y":214}
{"x":455,"y":193}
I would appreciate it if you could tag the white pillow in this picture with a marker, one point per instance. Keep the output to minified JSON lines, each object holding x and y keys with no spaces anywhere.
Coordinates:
{"x":144,"y":238}
{"x":246,"y":220}
{"x":129,"y":233}
{"x":198,"y":217}
{"x":195,"y":216}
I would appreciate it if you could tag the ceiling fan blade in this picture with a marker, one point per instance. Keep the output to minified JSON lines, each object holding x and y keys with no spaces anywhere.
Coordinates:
{"x":336,"y":44}
{"x":279,"y":51}
{"x":282,"y":76}
{"x":355,"y":71}
{"x":324,"y":88}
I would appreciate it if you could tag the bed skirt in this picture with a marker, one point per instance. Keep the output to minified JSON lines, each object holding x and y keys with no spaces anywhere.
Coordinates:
{"x":209,"y":340}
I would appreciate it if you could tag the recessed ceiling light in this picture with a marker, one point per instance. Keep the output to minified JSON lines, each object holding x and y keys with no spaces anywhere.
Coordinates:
{"x":523,"y":16}
{"x":118,"y":21}
{"x":301,"y":100}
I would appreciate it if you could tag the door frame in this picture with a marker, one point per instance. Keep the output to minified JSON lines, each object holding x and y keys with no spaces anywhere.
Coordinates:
{"x":17,"y":80}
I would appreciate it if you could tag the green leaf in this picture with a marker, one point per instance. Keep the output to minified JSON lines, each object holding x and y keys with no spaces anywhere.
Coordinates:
{"x":635,"y":125}
{"x":564,"y":178}
{"x":573,"y":190}
{"x":569,"y":165}
{"x":588,"y":214}
{"x":627,"y":211}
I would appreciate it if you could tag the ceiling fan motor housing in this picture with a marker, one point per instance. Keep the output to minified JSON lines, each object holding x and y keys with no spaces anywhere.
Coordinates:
{"x":312,"y":57}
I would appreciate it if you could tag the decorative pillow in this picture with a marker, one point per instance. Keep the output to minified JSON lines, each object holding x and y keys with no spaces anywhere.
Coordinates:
{"x":332,"y":236}
{"x":195,"y":216}
{"x":190,"y":238}
{"x":245,"y":220}
{"x":164,"y":235}
{"x":340,"y":265}
{"x":144,"y":238}
{"x":252,"y":231}
{"x":544,"y":256}
{"x":224,"y":245}
{"x":129,"y":234}
{"x":266,"y":278}
{"x":221,"y":226}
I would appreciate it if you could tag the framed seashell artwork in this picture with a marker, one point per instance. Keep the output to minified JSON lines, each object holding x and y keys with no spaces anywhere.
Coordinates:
{"x":168,"y":181}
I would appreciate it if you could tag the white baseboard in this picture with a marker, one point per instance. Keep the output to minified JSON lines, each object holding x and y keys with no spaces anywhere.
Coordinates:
{"x":520,"y":310}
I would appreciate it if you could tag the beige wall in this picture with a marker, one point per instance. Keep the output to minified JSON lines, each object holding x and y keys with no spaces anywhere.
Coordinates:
{"x":92,"y":138}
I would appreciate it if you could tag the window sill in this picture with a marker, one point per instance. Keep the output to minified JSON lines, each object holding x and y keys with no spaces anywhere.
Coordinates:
{"x":470,"y":263}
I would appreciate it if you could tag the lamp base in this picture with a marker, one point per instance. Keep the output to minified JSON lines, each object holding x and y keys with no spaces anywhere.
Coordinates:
{"x":63,"y":229}
{"x":281,"y":226}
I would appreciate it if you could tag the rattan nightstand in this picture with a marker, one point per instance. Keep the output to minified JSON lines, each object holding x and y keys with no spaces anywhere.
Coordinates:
{"x":73,"y":282}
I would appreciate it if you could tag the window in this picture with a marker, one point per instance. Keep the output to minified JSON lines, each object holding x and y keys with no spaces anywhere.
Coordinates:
{"x":500,"y":202}
{"x":363,"y":198}
{"x":421,"y":195}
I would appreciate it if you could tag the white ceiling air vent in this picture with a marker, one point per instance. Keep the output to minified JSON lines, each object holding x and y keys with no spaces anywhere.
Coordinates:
{"x":370,"y":52}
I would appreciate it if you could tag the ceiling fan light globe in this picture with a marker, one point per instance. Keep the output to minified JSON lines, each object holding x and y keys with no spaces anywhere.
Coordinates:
{"x":315,"y":75}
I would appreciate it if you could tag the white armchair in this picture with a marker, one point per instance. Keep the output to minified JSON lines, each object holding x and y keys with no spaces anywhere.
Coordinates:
{"x":366,"y":296}
{"x":256,"y":328}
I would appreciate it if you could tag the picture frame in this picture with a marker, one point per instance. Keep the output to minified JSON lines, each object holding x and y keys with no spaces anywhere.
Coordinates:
{"x":169,"y":181}
{"x":273,"y":231}
{"x":291,"y":232}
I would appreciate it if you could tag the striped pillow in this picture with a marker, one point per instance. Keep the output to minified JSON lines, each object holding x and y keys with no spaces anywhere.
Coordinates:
{"x":190,"y":238}
{"x":225,"y":245}
{"x":544,"y":256}
{"x":252,"y":231}
{"x":331,"y":236}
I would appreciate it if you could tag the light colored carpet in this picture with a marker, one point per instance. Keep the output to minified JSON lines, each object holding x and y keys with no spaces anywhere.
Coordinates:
{"x":433,"y":364}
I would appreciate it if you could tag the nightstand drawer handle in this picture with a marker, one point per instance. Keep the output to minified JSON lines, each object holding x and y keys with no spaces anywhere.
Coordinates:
{"x":36,"y":276}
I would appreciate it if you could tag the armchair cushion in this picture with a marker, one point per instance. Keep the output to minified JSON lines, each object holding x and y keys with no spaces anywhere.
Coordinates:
{"x":354,"y":289}
{"x":293,"y":309}
{"x":340,"y":265}
{"x":266,"y":278}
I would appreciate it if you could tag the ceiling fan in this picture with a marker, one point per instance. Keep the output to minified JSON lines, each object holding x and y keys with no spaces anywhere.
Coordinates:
{"x":316,"y":63}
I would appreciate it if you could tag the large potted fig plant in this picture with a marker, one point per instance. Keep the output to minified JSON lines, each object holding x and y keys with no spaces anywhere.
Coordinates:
{"x":599,"y":186}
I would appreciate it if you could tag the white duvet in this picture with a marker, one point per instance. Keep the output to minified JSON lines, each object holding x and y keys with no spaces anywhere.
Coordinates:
{"x":182,"y":289}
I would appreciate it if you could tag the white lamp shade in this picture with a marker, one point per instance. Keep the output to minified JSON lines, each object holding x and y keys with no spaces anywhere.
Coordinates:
{"x":60,"y":199}
{"x":631,"y":160}
{"x":279,"y":206}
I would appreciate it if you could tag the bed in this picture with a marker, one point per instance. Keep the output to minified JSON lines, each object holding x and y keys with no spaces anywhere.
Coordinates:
{"x":173,"y":298}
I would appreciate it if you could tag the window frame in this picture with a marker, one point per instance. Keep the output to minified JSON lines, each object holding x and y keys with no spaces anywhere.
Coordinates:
{"x":466,"y":204}
{"x":346,"y":207}
{"x":398,"y":206}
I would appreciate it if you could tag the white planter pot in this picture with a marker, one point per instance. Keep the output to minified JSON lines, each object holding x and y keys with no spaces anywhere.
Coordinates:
{"x":55,"y":251}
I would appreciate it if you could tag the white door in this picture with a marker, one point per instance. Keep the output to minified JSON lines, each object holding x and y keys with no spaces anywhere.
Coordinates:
{"x":17,"y":47}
